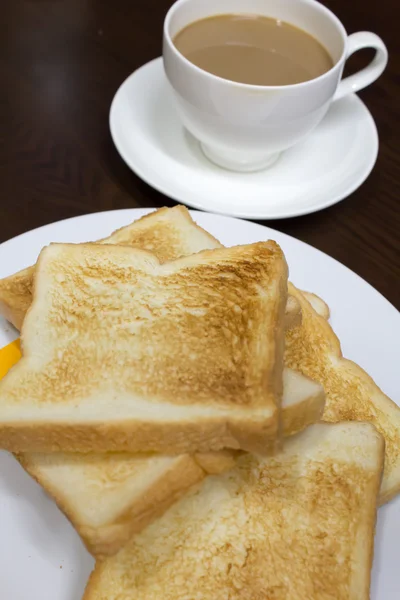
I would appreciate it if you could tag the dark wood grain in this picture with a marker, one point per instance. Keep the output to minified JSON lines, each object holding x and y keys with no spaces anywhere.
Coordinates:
{"x":61,"y":62}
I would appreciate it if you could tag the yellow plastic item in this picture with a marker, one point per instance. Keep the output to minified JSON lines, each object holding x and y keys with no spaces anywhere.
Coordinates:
{"x":9,"y":356}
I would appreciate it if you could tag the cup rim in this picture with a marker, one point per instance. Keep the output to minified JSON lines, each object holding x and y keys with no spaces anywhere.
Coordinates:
{"x":250,"y":86}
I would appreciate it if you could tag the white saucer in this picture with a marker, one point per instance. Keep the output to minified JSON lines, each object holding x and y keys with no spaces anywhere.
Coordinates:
{"x":333,"y":161}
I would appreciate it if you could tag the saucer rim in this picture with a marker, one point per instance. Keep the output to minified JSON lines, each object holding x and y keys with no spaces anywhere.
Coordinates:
{"x":240,"y":213}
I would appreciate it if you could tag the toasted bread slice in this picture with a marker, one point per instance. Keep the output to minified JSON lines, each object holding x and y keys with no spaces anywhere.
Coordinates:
{"x":16,"y":296}
{"x":172,"y":232}
{"x":351,"y":395}
{"x":169,"y":233}
{"x":303,"y":402}
{"x":124,"y":354}
{"x":110,"y":497}
{"x":319,"y":305}
{"x":299,"y":525}
{"x":292,"y":313}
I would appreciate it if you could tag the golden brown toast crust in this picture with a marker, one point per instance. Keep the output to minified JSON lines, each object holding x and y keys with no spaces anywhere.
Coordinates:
{"x":16,"y":296}
{"x":97,"y":474}
{"x":177,"y":308}
{"x":296,"y":526}
{"x":351,"y":394}
{"x":163,"y":232}
{"x":164,"y":237}
{"x":292,"y":313}
{"x":160,"y":232}
{"x":319,"y":305}
{"x":107,"y":539}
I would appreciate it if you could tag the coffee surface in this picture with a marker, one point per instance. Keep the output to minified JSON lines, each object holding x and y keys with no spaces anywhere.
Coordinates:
{"x":253,"y":49}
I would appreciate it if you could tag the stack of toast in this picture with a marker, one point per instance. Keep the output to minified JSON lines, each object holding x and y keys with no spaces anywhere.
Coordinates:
{"x":190,"y":412}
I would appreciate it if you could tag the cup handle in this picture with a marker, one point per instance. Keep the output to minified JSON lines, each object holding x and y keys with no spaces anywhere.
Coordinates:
{"x":360,"y":80}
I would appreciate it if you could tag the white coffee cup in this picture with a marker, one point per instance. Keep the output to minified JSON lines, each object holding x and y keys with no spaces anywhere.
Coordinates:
{"x":245,"y":127}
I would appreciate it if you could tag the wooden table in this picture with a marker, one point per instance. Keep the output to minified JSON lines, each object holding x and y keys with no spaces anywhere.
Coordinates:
{"x":61,"y":63}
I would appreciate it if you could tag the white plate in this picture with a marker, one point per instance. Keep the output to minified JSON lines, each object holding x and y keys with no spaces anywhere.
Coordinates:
{"x":40,"y":554}
{"x":328,"y":166}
